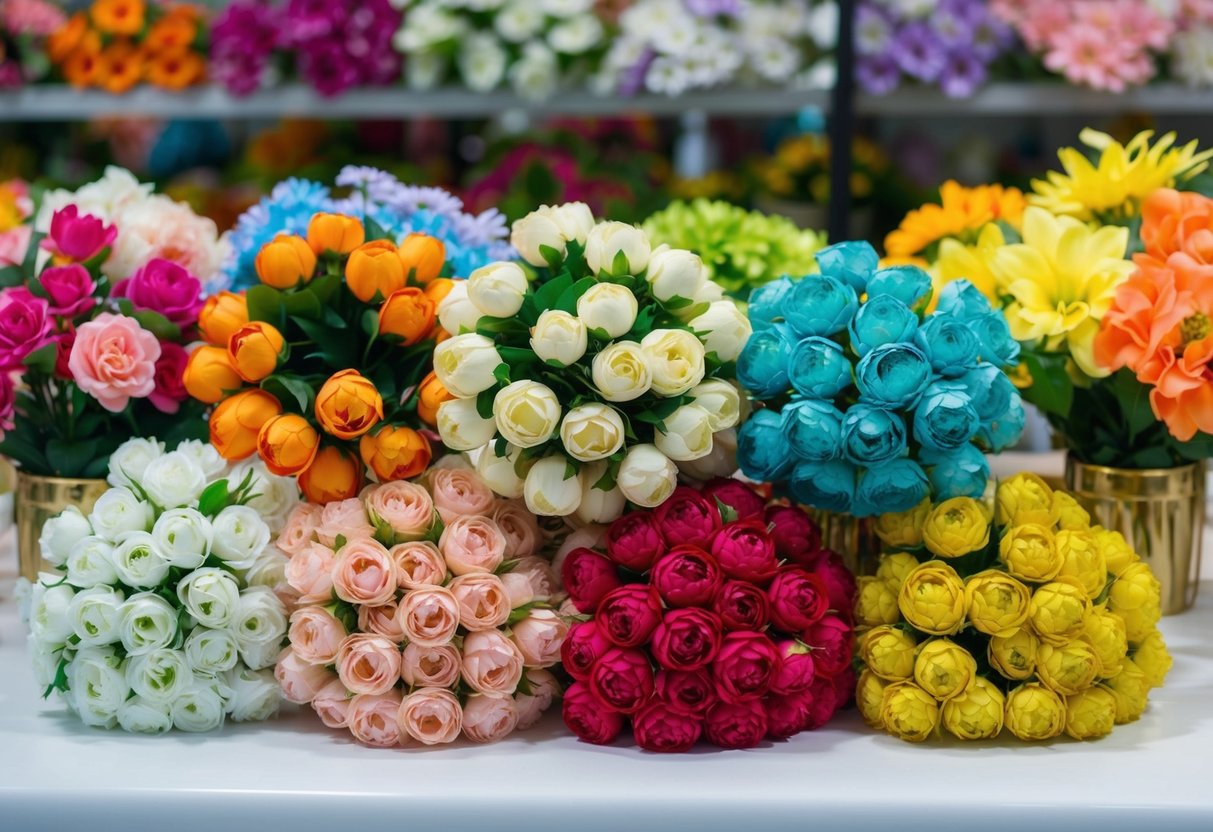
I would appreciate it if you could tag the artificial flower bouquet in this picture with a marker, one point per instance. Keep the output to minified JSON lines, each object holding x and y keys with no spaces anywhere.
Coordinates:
{"x":1021,"y":616}
{"x":872,"y":406}
{"x":714,"y":616}
{"x":582,"y":386}
{"x":164,"y":614}
{"x":426,"y":613}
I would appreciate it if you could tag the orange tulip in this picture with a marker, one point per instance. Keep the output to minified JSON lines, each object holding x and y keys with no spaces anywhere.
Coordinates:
{"x":374,"y":271}
{"x":423,"y":257}
{"x":222,"y":315}
{"x":287,"y":444}
{"x":68,"y":38}
{"x":333,"y":475}
{"x":348,"y":405}
{"x":439,"y":288}
{"x":210,"y":374}
{"x":175,"y":68}
{"x":118,"y":17}
{"x":256,"y":350}
{"x":237,"y":421}
{"x":120,"y":68}
{"x":395,"y":453}
{"x":334,"y":232}
{"x":407,"y":313}
{"x":430,"y":394}
{"x":285,"y":262}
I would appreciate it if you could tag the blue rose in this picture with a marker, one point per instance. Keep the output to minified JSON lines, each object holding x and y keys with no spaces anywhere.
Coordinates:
{"x":893,"y":376}
{"x":852,"y":262}
{"x":762,"y":367}
{"x":813,"y":429}
{"x":949,"y":343}
{"x":1004,"y":431}
{"x":945,"y":418}
{"x":959,"y":473}
{"x":829,"y":486}
{"x":871,"y":435}
{"x":766,"y":303}
{"x":909,"y":284}
{"x":882,"y":320}
{"x":819,"y":369}
{"x":762,"y":449}
{"x":962,"y":299}
{"x":819,"y":305}
{"x":997,"y":345}
{"x":990,"y":390}
{"x":892,"y":486}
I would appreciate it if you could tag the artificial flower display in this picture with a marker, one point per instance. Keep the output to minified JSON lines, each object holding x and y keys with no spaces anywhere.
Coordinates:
{"x":713,"y":617}
{"x":584,"y":386}
{"x":1019,"y":617}
{"x":24,"y":27}
{"x":799,"y":170}
{"x":425,"y":613}
{"x":164,"y":614}
{"x":871,"y":406}
{"x":960,"y":214}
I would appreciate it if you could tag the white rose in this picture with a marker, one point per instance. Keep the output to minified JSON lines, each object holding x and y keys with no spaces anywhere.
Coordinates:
{"x":239,"y":536}
{"x":139,"y":561}
{"x":675,"y":273}
{"x":44,"y":659}
{"x":576,"y":35}
{"x":518,"y":21}
{"x":609,"y":240}
{"x":647,"y":476}
{"x":721,"y":401}
{"x":482,"y":62}
{"x":198,"y":709}
{"x":260,"y":654}
{"x":207,"y":458}
{"x":148,"y":623}
{"x":687,"y":434}
{"x":276,"y":496}
{"x":269,"y":569}
{"x":621,"y":372}
{"x":498,"y":289}
{"x":502,"y":473}
{"x":183,"y":536}
{"x":456,"y":312}
{"x":119,"y":511}
{"x":723,"y":328}
{"x":50,"y":619}
{"x":131,"y":459}
{"x":574,"y":219}
{"x":535,"y":232}
{"x":461,"y":426}
{"x":159,"y":675}
{"x":174,"y":480}
{"x":721,"y":462}
{"x":709,"y":292}
{"x":527,"y":413}
{"x":139,"y":716}
{"x":210,"y":595}
{"x":592,"y":431}
{"x":259,"y":624}
{"x":255,"y":695}
{"x":676,"y":358}
{"x":559,"y":336}
{"x":608,"y":307}
{"x":61,"y":533}
{"x":465,"y":364}
{"x":96,"y":686}
{"x":535,"y":75}
{"x":549,"y":490}
{"x":91,"y":563}
{"x":597,"y":505}
{"x":211,"y":651}
{"x":96,"y":615}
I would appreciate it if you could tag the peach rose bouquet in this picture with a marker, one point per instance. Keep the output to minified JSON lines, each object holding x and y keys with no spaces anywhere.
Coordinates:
{"x":426,"y":611}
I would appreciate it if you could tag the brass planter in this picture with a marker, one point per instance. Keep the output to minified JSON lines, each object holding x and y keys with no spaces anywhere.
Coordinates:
{"x":852,"y":537}
{"x":1161,"y":513}
{"x":39,"y":499}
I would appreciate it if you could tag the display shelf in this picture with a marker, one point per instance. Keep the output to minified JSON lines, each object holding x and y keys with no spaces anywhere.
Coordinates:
{"x":1046,"y":98}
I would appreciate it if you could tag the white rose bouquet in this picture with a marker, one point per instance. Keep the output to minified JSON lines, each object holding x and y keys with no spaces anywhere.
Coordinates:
{"x":165,"y":612}
{"x":587,"y":384}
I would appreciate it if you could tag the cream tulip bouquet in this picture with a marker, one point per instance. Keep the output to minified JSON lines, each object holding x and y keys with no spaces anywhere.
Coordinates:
{"x":587,"y":382}
{"x":164,"y":612}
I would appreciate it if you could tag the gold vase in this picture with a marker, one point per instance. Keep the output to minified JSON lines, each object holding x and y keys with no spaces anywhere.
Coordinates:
{"x":852,"y":537}
{"x":40,"y":498}
{"x":1161,"y":513}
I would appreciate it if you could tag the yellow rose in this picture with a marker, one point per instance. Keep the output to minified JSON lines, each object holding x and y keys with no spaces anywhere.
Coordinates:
{"x":1153,"y":658}
{"x":869,"y":694}
{"x":944,"y":669}
{"x":956,"y":527}
{"x":1014,"y":656}
{"x":1105,"y":632}
{"x":1082,"y":560}
{"x":997,"y":604}
{"x":1067,"y":668}
{"x":1139,"y":622}
{"x":876,"y":603}
{"x":1090,"y":714}
{"x":894,"y":568}
{"x":1035,"y":713}
{"x":1029,"y":551}
{"x":903,"y":529}
{"x":1135,"y":597}
{"x":889,"y":653}
{"x":1025,"y":498}
{"x":909,"y":712}
{"x":1058,"y":611}
{"x":932,"y":599}
{"x":1118,"y":554}
{"x":1070,"y":514}
{"x":1132,"y":690}
{"x":976,"y":714}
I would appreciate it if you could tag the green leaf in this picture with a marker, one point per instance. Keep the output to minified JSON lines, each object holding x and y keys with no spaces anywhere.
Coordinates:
{"x":518,"y":355}
{"x":1052,"y":390}
{"x":484,"y":403}
{"x":375,"y":231}
{"x":266,"y":304}
{"x":324,"y":288}
{"x":69,"y":459}
{"x":502,"y":373}
{"x":567,"y":301}
{"x":302,"y":303}
{"x":59,"y":683}
{"x":42,"y":360}
{"x":338,"y":348}
{"x":11,"y":276}
{"x":436,"y":529}
{"x":549,"y":294}
{"x":570,"y":469}
{"x":37,"y":289}
{"x":157,"y":324}
{"x":214,"y":499}
{"x":620,"y":265}
{"x":608,"y":479}
{"x":489,"y":326}
{"x":287,"y":388}
{"x":339,"y":543}
{"x":553,"y":257}
{"x":677,"y":302}
{"x":370,"y":323}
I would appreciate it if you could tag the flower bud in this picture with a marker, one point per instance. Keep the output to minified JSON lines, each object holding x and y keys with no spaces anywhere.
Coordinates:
{"x":285,"y":262}
{"x":333,"y":475}
{"x":724,"y":329}
{"x":374,"y":271}
{"x":287,"y":444}
{"x":461,"y":426}
{"x":504,"y":474}
{"x":598,"y":505}
{"x":687,"y":435}
{"x":674,"y":273}
{"x":498,"y":289}
{"x":608,"y":307}
{"x":456,"y":312}
{"x":348,"y":405}
{"x":608,"y":242}
{"x":255,"y":350}
{"x":559,"y":336}
{"x":210,"y":375}
{"x":222,"y":315}
{"x":621,"y":372}
{"x":236,"y":422}
{"x":465,"y":364}
{"x":334,"y":233}
{"x":550,"y":490}
{"x":721,"y":401}
{"x":395,"y":452}
{"x":592,"y":431}
{"x":676,"y":358}
{"x":408,"y":314}
{"x":647,"y":476}
{"x":431,"y":394}
{"x":423,"y":257}
{"x":527,"y":413}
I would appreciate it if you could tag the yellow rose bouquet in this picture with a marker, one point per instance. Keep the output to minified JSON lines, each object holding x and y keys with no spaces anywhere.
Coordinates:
{"x":1020,"y":616}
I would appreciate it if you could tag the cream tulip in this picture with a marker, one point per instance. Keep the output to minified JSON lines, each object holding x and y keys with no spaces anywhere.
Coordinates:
{"x":598,"y":505}
{"x":559,"y":336}
{"x":647,"y":476}
{"x":534,"y":232}
{"x":608,"y":307}
{"x":456,"y":312}
{"x":675,"y":273}
{"x":592,"y":431}
{"x":498,"y":289}
{"x":721,"y":401}
{"x":465,"y":364}
{"x":527,"y":413}
{"x":676,"y":359}
{"x":461,"y":426}
{"x":687,"y":435}
{"x":504,"y":474}
{"x":724,"y":329}
{"x":608,"y":240}
{"x":621,"y":372}
{"x":549,"y":490}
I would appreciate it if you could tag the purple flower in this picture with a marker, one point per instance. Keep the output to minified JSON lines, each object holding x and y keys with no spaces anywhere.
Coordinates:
{"x":990,"y":37}
{"x":953,"y":26}
{"x":918,"y":52}
{"x":328,"y":68}
{"x":873,"y":30}
{"x":308,"y":20}
{"x":243,"y":38}
{"x":712,"y":8}
{"x":632,"y":81}
{"x":878,"y":75}
{"x":962,"y":74}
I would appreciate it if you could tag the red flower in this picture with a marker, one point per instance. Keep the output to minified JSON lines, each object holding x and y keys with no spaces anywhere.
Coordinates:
{"x":583,"y":646}
{"x":832,"y":641}
{"x":63,"y":351}
{"x":737,"y":496}
{"x":798,"y":599}
{"x":634,"y":541}
{"x":622,"y":680}
{"x":686,"y":576}
{"x":797,"y":668}
{"x":169,"y":377}
{"x":687,"y":517}
{"x":742,"y":606}
{"x":844,"y":687}
{"x":661,"y":728}
{"x":689,"y":691}
{"x":745,"y":666}
{"x":627,"y":616}
{"x":588,"y":577}
{"x":585,"y":716}
{"x":840,"y":583}
{"x":787,"y":714}
{"x":797,"y":538}
{"x":745,"y":551}
{"x":824,"y":701}
{"x":741,"y":725}
{"x":687,"y":639}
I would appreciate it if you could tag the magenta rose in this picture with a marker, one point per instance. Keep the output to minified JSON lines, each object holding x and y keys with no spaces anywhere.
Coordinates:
{"x":745,"y":666}
{"x":787,"y":714}
{"x":687,"y":517}
{"x":686,"y":576}
{"x":588,"y":577}
{"x":839,"y":582}
{"x":736,"y":495}
{"x":742,"y":606}
{"x":24,"y":323}
{"x":832,"y":641}
{"x":165,"y":287}
{"x":740,"y":725}
{"x":797,"y":668}
{"x":63,"y":342}
{"x":844,"y":687}
{"x":824,"y":701}
{"x":70,"y":289}
{"x":661,"y":728}
{"x":797,"y":538}
{"x":634,"y":541}
{"x":622,"y":680}
{"x":798,"y":599}
{"x":583,"y":646}
{"x":587,"y":718}
{"x":745,"y":551}
{"x":170,"y":371}
{"x":689,"y":691}
{"x":7,"y":402}
{"x":627,"y":616}
{"x":687,"y":639}
{"x":78,"y":236}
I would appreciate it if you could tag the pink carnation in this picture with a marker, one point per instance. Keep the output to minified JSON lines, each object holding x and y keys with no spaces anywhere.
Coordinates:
{"x":114,"y":360}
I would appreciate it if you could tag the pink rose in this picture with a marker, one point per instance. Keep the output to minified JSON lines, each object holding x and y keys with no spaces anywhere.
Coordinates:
{"x":405,"y":506}
{"x":686,"y":639}
{"x":797,"y":538}
{"x":798,"y":599}
{"x":833,"y":641}
{"x":300,"y":680}
{"x":741,"y":725}
{"x":114,"y":360}
{"x":70,"y":288}
{"x":459,"y":492}
{"x":315,"y":635}
{"x":365,"y":573}
{"x":745,"y":666}
{"x":472,"y":544}
{"x":686,"y":576}
{"x":658,"y":727}
{"x":787,"y":714}
{"x":742,"y":606}
{"x":689,"y":691}
{"x":310,"y":572}
{"x":745,"y":551}
{"x":823,"y":702}
{"x":687,"y":518}
{"x":588,"y":578}
{"x":418,"y":564}
{"x":489,"y":718}
{"x":169,"y":378}
{"x":492,"y":663}
{"x":483,"y":601}
{"x":544,"y":690}
{"x":737,"y":496}
{"x":629,"y":615}
{"x":429,"y":667}
{"x":544,"y":583}
{"x":586,"y":537}
{"x":518,"y":589}
{"x":372,"y":719}
{"x":344,"y":518}
{"x":585,"y":716}
{"x":24,"y":323}
{"x":332,"y":704}
{"x":300,"y":528}
{"x":839,"y":582}
{"x":622,"y":680}
{"x":583,"y":645}
{"x":7,"y":402}
{"x":165,"y":287}
{"x":634,"y":541}
{"x":76,"y":236}
{"x":522,"y":535}
{"x":797,"y":668}
{"x":382,"y":620}
{"x":429,"y":616}
{"x":368,"y":663}
{"x":431,"y":716}
{"x":539,"y":636}
{"x":14,"y":243}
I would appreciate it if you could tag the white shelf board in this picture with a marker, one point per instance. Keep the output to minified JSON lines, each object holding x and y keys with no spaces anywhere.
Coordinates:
{"x":1052,"y":98}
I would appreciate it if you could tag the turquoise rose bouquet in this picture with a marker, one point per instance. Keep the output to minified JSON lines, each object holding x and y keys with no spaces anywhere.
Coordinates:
{"x":868,"y":406}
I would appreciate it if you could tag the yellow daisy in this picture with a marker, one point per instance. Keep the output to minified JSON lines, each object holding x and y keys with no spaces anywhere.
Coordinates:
{"x":961,"y":211}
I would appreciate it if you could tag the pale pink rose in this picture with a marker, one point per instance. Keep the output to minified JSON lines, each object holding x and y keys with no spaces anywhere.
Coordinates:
{"x":365,"y":573}
{"x":489,"y":718}
{"x":429,"y":667}
{"x":345,"y":518}
{"x":539,"y":636}
{"x":405,"y":506}
{"x":484,"y":603}
{"x":372,"y":719}
{"x":368,"y":663}
{"x":431,"y":716}
{"x":429,"y":616}
{"x":460,"y":492}
{"x":568,"y":610}
{"x":522,"y":534}
{"x":418,"y":564}
{"x":332,"y":704}
{"x":491,"y":663}
{"x":113,"y":359}
{"x":299,"y":680}
{"x":381,"y":620}
{"x":543,"y":578}
{"x":315,"y":635}
{"x":544,"y":689}
{"x":518,"y":588}
{"x":310,"y":573}
{"x":587,"y":537}
{"x":300,"y":528}
{"x":472,"y":544}
{"x":13,"y":245}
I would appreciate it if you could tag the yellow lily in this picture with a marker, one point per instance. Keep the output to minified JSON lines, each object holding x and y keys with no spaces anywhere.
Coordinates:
{"x":957,"y":261}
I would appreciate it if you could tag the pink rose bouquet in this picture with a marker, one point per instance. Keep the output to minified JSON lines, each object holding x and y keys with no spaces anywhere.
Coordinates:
{"x":714,"y":616}
{"x":425,"y":613}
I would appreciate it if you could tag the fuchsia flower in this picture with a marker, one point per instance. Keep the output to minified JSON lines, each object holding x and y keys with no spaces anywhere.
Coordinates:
{"x":114,"y":360}
{"x":70,"y":288}
{"x":7,"y":401}
{"x":170,"y":378}
{"x":78,"y":237}
{"x":24,"y":324}
{"x":165,"y":287}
